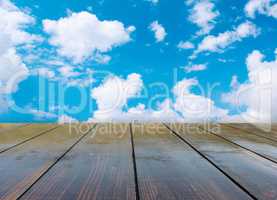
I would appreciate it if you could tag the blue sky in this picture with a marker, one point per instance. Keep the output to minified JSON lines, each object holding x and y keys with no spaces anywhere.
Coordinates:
{"x":93,"y":46}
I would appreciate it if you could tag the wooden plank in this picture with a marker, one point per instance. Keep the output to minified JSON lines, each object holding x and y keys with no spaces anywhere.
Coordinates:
{"x":13,"y":137}
{"x":257,"y":175}
{"x":169,"y":169}
{"x":262,"y":146}
{"x":22,"y":166}
{"x":100,"y":167}
{"x":254,"y":130}
{"x":8,"y":126}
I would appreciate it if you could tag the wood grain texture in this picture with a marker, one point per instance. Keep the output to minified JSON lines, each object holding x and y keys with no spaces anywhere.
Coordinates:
{"x":99,"y":167}
{"x":260,"y":145}
{"x":169,"y":169}
{"x":256,"y":174}
{"x":13,"y":136}
{"x":5,"y":127}
{"x":21,"y":166}
{"x":257,"y":130}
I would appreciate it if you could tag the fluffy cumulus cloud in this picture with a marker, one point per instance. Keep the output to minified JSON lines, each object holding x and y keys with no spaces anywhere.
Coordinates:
{"x":218,"y":43}
{"x":82,"y":35}
{"x":44,"y":72}
{"x":13,"y":23}
{"x":185,"y":45}
{"x":195,"y":68}
{"x":263,"y":7}
{"x":41,"y":115}
{"x":68,"y":71}
{"x":203,"y":14}
{"x":65,"y":119}
{"x":195,"y":107}
{"x":258,"y":94}
{"x":158,"y":30}
{"x":113,"y":94}
{"x":164,"y":113}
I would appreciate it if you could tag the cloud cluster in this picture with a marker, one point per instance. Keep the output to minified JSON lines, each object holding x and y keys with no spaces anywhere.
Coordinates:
{"x":258,"y":93}
{"x":195,"y":107}
{"x":203,"y":14}
{"x":218,"y":43}
{"x":65,"y":119}
{"x":82,"y":35}
{"x":263,"y":7}
{"x":158,"y":30}
{"x":13,"y":23}
{"x":113,"y":94}
{"x":185,"y":45}
{"x":195,"y":68}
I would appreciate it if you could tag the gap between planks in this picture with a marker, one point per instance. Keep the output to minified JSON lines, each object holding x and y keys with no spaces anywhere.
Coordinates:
{"x":211,"y":162}
{"x":247,"y":131}
{"x":240,"y":146}
{"x":29,"y":139}
{"x":134,"y":162}
{"x":56,"y":161}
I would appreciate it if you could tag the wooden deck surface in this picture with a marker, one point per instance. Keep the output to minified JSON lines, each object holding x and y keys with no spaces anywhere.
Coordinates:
{"x":137,"y":161}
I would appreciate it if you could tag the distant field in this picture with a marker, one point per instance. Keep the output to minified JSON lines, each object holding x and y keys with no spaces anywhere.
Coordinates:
{"x":137,"y":161}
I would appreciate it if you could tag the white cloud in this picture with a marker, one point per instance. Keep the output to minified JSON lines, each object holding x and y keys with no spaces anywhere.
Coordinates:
{"x":258,"y":93}
{"x":164,"y":113}
{"x":185,"y":45}
{"x":193,"y":68}
{"x":114,"y":93}
{"x":45,"y":72}
{"x":218,"y":43}
{"x":112,"y":96}
{"x":12,"y":71}
{"x":65,"y":119}
{"x":82,"y":35}
{"x":203,"y":14}
{"x":13,"y":25}
{"x":68,"y":71}
{"x":234,"y":82}
{"x":195,"y":107}
{"x":263,"y":7}
{"x":3,"y":103}
{"x":39,"y":114}
{"x":158,"y":30}
{"x":139,"y":113}
{"x":13,"y":22}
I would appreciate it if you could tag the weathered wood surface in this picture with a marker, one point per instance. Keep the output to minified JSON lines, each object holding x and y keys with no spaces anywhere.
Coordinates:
{"x":5,"y":127}
{"x":269,"y":134}
{"x":169,"y":169}
{"x":16,"y":135}
{"x":99,"y":167}
{"x":259,"y":145}
{"x":254,"y":173}
{"x":21,"y":166}
{"x":191,"y":163}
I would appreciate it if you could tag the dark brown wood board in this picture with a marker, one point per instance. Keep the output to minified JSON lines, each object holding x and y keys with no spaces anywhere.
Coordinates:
{"x":99,"y":167}
{"x":169,"y":169}
{"x":254,"y":173}
{"x":21,"y":166}
{"x":15,"y":136}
